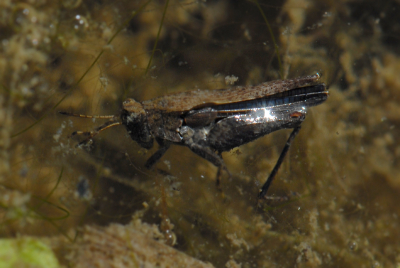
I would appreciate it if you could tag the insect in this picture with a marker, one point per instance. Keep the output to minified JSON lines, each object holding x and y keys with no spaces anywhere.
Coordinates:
{"x":210,"y":122}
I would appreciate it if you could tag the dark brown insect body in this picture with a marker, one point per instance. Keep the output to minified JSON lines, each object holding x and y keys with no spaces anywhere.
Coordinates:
{"x":210,"y":122}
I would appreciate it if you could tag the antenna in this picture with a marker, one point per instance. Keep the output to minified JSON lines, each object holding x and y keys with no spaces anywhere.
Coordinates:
{"x":87,"y":116}
{"x":109,"y":124}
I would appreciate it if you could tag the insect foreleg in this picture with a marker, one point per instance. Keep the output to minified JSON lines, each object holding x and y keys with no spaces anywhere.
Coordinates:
{"x":157,"y":155}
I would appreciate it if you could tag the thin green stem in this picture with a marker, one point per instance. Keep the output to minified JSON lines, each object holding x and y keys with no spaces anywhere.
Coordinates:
{"x":158,"y":37}
{"x":52,"y":190}
{"x":272,"y":37}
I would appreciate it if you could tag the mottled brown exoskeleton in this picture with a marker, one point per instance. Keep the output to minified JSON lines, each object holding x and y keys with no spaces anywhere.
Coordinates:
{"x":210,"y":122}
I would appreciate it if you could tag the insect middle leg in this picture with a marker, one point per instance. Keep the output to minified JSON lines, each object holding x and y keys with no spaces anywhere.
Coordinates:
{"x":211,"y":156}
{"x":157,"y":155}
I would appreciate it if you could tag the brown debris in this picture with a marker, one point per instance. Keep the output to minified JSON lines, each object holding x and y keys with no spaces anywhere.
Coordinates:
{"x":127,"y":246}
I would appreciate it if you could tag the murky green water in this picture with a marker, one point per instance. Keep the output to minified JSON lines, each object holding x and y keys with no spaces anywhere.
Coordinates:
{"x":343,"y":167}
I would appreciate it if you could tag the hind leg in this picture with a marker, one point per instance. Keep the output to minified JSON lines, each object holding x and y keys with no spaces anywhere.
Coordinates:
{"x":214,"y":158}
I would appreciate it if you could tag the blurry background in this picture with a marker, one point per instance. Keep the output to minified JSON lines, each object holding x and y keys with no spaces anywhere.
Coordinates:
{"x":89,"y":56}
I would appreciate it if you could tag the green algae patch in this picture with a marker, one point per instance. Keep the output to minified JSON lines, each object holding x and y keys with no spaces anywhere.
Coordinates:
{"x":26,"y":252}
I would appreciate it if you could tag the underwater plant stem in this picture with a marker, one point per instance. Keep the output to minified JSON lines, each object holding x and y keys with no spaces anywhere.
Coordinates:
{"x":158,"y":37}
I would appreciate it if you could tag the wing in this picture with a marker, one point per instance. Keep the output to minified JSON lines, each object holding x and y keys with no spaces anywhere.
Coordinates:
{"x":186,"y":101}
{"x":244,"y":122}
{"x":287,"y":103}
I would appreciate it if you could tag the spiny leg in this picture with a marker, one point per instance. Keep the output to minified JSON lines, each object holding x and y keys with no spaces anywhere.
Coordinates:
{"x":271,"y":177}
